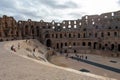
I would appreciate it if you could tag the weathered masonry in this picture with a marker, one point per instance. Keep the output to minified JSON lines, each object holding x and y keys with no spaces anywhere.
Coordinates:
{"x":92,"y":32}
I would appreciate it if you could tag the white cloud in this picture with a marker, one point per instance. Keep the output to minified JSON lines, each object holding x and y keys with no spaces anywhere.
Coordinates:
{"x":56,"y":9}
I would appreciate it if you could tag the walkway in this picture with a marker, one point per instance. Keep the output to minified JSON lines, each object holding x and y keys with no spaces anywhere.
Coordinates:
{"x":15,"y":67}
{"x":97,"y":64}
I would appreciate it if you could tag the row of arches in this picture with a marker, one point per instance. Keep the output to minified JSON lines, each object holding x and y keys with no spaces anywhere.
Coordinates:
{"x":82,"y":35}
{"x":31,"y":30}
{"x":90,"y":45}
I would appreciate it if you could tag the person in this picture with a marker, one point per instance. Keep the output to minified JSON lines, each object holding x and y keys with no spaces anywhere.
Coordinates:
{"x":82,"y":57}
{"x":26,"y":40}
{"x":86,"y":57}
{"x":34,"y":49}
{"x":77,"y":55}
{"x":18,"y":45}
{"x":66,"y":55}
{"x":12,"y":48}
{"x":33,"y":54}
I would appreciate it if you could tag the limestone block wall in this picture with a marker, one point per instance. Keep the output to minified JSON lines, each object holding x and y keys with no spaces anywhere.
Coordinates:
{"x":99,"y":32}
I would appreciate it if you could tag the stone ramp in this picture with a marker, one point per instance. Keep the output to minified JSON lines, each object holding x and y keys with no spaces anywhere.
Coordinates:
{"x":14,"y":66}
{"x":26,"y":49}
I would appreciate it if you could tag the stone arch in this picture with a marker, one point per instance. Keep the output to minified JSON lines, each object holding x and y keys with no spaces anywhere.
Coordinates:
{"x":75,"y":51}
{"x":95,"y":45}
{"x":37,"y":31}
{"x":48,"y":43}
{"x":61,"y":45}
{"x":83,"y":44}
{"x":32,"y":30}
{"x":118,"y":47}
{"x":115,"y":34}
{"x":78,"y":35}
{"x":84,"y":35}
{"x":106,"y":46}
{"x":57,"y":45}
{"x":112,"y":46}
{"x":74,"y":44}
{"x":56,"y":35}
{"x":1,"y":40}
{"x":26,"y":30}
{"x":60,"y":35}
{"x":100,"y":46}
{"x":65,"y":43}
{"x":47,"y":36}
{"x":102,"y":34}
{"x":69,"y":35}
{"x":96,"y":34}
{"x":89,"y":44}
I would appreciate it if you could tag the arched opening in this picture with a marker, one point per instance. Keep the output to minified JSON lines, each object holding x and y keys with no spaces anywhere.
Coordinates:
{"x":100,"y":46}
{"x":74,"y":44}
{"x":69,"y":35}
{"x":65,"y":51}
{"x":57,"y":45}
{"x":75,"y":51}
{"x":78,"y":35}
{"x":47,"y":36}
{"x":32,"y":29}
{"x":48,"y":43}
{"x":61,"y":45}
{"x":84,"y":35}
{"x":95,"y":45}
{"x":118,"y":47}
{"x":60,"y":35}
{"x":56,"y":35}
{"x":112,"y":46}
{"x":65,"y":44}
{"x":95,"y":34}
{"x":83,"y":44}
{"x":37,"y":31}
{"x":89,"y":44}
{"x":26,"y":30}
{"x":106,"y":46}
{"x":115,"y":34}
{"x":108,"y":33}
{"x":1,"y":40}
{"x":52,"y":35}
{"x":102,"y":34}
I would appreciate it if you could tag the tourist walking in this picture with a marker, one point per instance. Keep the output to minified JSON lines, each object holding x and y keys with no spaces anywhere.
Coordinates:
{"x":18,"y":45}
{"x":86,"y":57}
{"x":82,"y":57}
{"x":34,"y":49}
{"x":66,"y":55}
{"x":12,"y":48}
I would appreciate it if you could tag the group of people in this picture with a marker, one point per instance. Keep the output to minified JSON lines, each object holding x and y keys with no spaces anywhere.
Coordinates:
{"x":77,"y":56}
{"x":13,"y":47}
{"x":81,"y":56}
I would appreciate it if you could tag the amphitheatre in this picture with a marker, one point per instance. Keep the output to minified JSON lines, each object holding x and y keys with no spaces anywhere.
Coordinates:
{"x":83,"y":49}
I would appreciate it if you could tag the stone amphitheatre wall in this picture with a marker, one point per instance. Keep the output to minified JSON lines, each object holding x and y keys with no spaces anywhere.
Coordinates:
{"x":91,"y":32}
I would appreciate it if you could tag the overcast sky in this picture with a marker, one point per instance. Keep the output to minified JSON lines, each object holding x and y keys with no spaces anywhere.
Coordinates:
{"x":57,"y":10}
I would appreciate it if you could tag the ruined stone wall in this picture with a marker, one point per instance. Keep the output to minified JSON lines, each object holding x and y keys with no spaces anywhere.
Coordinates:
{"x":100,"y":32}
{"x":8,"y":27}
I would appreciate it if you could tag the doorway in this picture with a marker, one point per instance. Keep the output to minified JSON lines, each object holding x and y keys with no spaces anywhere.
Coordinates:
{"x":48,"y":43}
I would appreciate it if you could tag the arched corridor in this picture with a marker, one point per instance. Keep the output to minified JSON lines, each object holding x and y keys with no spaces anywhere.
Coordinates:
{"x":48,"y":43}
{"x":118,"y":47}
{"x":112,"y":46}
